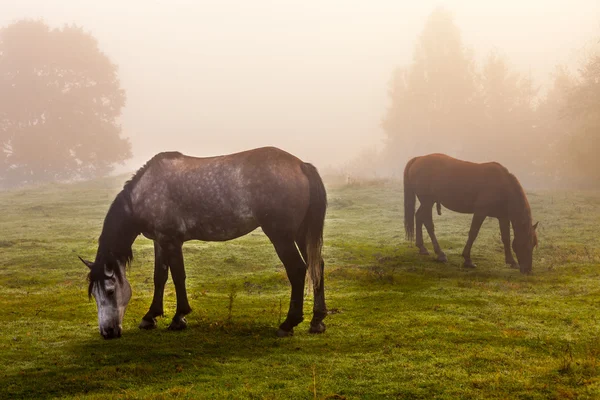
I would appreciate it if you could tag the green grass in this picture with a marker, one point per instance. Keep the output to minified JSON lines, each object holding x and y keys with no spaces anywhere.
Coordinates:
{"x":402,"y":325}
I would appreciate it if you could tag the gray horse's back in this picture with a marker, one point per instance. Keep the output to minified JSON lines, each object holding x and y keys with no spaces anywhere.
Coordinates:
{"x":220,"y":198}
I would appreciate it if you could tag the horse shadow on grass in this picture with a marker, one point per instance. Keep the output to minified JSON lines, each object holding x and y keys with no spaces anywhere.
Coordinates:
{"x":139,"y":358}
{"x":393,"y":265}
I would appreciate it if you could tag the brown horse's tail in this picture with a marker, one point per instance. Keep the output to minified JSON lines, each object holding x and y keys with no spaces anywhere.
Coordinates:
{"x":410,"y":200}
{"x":314,"y":221}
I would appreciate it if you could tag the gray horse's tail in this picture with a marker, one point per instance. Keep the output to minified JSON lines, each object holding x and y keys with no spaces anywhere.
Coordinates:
{"x":314,"y":222}
{"x":410,"y":200}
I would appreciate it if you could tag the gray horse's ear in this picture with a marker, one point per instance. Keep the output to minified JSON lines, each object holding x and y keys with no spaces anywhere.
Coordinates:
{"x":535,"y":225}
{"x":89,"y":264}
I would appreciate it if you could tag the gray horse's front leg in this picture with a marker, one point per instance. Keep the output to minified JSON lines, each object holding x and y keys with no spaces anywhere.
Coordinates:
{"x":175,"y":260}
{"x":161,"y":274}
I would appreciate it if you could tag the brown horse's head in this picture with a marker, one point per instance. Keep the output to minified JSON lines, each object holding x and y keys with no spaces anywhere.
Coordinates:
{"x":523,"y":244}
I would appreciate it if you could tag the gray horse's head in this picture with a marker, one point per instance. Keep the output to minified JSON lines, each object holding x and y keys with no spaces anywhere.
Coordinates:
{"x":112,"y":292}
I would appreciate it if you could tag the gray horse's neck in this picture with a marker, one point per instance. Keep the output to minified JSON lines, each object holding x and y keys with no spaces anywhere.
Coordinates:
{"x":119,"y":231}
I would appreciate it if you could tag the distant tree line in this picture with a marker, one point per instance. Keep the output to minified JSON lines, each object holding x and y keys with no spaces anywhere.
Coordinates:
{"x":61,"y":100}
{"x":446,"y":102}
{"x":60,"y":103}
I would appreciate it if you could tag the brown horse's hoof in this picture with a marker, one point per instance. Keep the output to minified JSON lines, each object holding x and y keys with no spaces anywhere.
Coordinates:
{"x":317,"y":328}
{"x":423,"y":252}
{"x":178,"y":325}
{"x":145,"y":324}
{"x":442,"y":258}
{"x":469,"y":265}
{"x":282,"y":333}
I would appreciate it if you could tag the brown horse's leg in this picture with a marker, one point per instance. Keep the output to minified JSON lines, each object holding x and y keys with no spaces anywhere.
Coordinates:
{"x":296,"y":272}
{"x":319,"y":308}
{"x":428,"y":221}
{"x":473,"y":232}
{"x":161,"y":274}
{"x":505,"y":233}
{"x":419,"y":231}
{"x":174,"y":257}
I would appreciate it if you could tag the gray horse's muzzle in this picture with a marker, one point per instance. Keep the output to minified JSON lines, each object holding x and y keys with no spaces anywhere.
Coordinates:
{"x":111,"y":332}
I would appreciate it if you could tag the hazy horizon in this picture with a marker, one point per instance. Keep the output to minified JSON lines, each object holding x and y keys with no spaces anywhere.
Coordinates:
{"x":209,"y":78}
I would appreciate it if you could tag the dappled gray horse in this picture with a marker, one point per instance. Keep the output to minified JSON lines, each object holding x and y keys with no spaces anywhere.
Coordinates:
{"x":175,"y":198}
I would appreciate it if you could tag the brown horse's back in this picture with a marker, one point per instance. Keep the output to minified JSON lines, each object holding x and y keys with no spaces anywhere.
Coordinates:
{"x":459,"y":185}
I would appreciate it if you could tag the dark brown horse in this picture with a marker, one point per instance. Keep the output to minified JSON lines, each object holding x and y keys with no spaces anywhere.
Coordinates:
{"x":484,"y":190}
{"x":175,"y":198}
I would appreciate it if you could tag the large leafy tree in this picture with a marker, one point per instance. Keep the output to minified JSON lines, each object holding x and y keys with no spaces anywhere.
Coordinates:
{"x":60,"y":102}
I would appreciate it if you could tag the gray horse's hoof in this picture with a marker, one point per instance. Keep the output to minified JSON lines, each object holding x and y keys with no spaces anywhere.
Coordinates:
{"x":469,"y":265}
{"x":283,"y":333}
{"x":145,"y":324}
{"x":423,"y":252}
{"x":442,"y":258}
{"x":178,"y":325}
{"x":318,"y":328}
{"x":525,"y":271}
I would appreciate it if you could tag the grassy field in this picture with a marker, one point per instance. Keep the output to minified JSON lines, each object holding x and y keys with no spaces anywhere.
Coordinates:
{"x":401,"y":325}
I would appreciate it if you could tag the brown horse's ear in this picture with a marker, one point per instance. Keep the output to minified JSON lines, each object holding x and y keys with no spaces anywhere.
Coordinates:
{"x":89,"y":264}
{"x":535,"y":225}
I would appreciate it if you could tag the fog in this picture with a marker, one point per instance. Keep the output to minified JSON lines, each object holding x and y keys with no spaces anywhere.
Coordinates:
{"x":310,"y":77}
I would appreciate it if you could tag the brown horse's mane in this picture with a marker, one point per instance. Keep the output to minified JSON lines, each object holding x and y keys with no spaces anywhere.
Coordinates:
{"x":521,"y":211}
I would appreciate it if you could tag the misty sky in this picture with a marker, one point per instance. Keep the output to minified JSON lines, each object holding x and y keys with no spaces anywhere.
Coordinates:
{"x":311,"y":77}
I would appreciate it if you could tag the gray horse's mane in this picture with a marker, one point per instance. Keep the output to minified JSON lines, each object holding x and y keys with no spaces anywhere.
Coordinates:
{"x":113,"y":250}
{"x":166,"y":155}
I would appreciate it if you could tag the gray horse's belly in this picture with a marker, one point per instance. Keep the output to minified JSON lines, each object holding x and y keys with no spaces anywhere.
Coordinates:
{"x":206,"y":226}
{"x":218,"y":228}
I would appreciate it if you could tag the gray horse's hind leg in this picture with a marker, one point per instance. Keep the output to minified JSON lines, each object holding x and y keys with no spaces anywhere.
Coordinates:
{"x":161,"y":274}
{"x":296,"y":272}
{"x":319,"y":308}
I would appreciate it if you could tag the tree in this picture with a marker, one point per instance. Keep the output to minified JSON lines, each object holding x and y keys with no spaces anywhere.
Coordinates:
{"x":508,"y":122}
{"x":60,"y":101}
{"x":444,"y":102}
{"x":556,"y":129}
{"x":433,"y":100}
{"x":582,"y":106}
